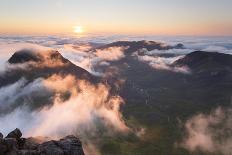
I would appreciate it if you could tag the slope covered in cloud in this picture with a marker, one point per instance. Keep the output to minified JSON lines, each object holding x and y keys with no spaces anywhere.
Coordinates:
{"x":87,"y":107}
{"x":146,"y":75}
{"x":40,"y":88}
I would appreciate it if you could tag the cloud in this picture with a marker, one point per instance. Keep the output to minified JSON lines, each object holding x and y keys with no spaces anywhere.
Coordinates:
{"x":219,"y":49}
{"x":111,"y":53}
{"x":8,"y":49}
{"x":91,"y":60}
{"x":209,"y":132}
{"x":73,"y":107}
{"x":169,"y":51}
{"x":161,"y":63}
{"x":88,"y":107}
{"x":21,"y":93}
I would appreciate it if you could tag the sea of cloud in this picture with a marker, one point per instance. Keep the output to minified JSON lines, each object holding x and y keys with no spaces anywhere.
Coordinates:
{"x":78,"y":49}
{"x":91,"y":105}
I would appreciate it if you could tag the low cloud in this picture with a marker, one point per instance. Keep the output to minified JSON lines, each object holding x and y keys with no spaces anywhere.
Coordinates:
{"x":169,"y":51}
{"x":7,"y":49}
{"x":88,"y":107}
{"x":161,"y":63}
{"x":209,"y":132}
{"x":111,"y":53}
{"x":219,"y":49}
{"x":91,"y":60}
{"x":23,"y":92}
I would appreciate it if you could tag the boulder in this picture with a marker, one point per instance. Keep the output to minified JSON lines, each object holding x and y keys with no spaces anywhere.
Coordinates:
{"x":3,"y":147}
{"x":17,"y":134}
{"x":27,"y":152}
{"x":71,"y":145}
{"x":30,"y":144}
{"x":1,"y":135}
{"x":50,"y":148}
{"x":13,"y":144}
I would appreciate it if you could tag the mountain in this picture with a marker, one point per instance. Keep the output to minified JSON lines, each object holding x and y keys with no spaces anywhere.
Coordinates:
{"x":27,"y":66}
{"x":201,"y":60}
{"x":26,"y":55}
{"x":211,"y":59}
{"x":33,"y":64}
{"x":132,"y":46}
{"x":209,"y":68}
{"x":156,"y":100}
{"x":160,"y":100}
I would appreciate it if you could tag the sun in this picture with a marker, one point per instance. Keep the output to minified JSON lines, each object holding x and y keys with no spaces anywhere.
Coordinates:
{"x":78,"y":29}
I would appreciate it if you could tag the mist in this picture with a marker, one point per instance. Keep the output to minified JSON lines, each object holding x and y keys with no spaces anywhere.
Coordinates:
{"x":209,"y":132}
{"x":87,"y":105}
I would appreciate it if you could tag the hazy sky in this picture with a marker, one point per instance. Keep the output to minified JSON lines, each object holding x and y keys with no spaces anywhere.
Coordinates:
{"x":156,"y":17}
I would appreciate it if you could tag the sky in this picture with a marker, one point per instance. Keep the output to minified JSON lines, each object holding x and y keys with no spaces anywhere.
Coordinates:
{"x":143,"y":17}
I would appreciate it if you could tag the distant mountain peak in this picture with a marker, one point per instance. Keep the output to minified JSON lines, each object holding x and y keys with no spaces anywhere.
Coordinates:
{"x":202,"y":59}
{"x":23,"y":56}
{"x":27,"y":55}
{"x":142,"y":44}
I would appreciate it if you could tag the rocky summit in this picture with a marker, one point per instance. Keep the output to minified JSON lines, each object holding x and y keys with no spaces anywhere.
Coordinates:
{"x":14,"y":144}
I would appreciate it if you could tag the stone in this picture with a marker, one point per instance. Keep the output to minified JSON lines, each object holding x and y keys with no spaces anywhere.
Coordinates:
{"x":15,"y":134}
{"x":13,"y":144}
{"x":71,"y":145}
{"x":28,"y":152}
{"x":30,"y":144}
{"x":1,"y":135}
{"x":50,"y":148}
{"x":3,"y":147}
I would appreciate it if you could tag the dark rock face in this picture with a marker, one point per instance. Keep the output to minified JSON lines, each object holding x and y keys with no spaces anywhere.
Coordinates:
{"x":41,"y":64}
{"x":13,"y":144}
{"x":15,"y":134}
{"x":24,"y":56}
{"x":71,"y":145}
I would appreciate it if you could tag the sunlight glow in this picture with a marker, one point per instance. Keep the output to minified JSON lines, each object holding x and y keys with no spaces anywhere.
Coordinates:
{"x":78,"y":29}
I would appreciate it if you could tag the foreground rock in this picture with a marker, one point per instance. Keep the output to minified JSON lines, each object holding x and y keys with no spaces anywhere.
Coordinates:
{"x":13,"y":144}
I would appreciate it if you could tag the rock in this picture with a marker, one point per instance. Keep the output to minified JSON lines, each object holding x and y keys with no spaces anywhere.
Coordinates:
{"x":13,"y":144}
{"x":3,"y":147}
{"x":12,"y":152}
{"x":1,"y":135}
{"x":71,"y":145}
{"x":15,"y":134}
{"x":28,"y":152}
{"x":50,"y":148}
{"x":21,"y":142}
{"x":30,"y":144}
{"x":24,"y":56}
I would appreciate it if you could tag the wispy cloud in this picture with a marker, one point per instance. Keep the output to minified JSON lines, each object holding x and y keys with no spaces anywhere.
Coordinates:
{"x":160,"y":62}
{"x":209,"y":132}
{"x":87,"y":106}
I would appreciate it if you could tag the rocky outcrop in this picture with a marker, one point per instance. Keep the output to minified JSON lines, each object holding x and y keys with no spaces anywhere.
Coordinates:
{"x":14,"y":144}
